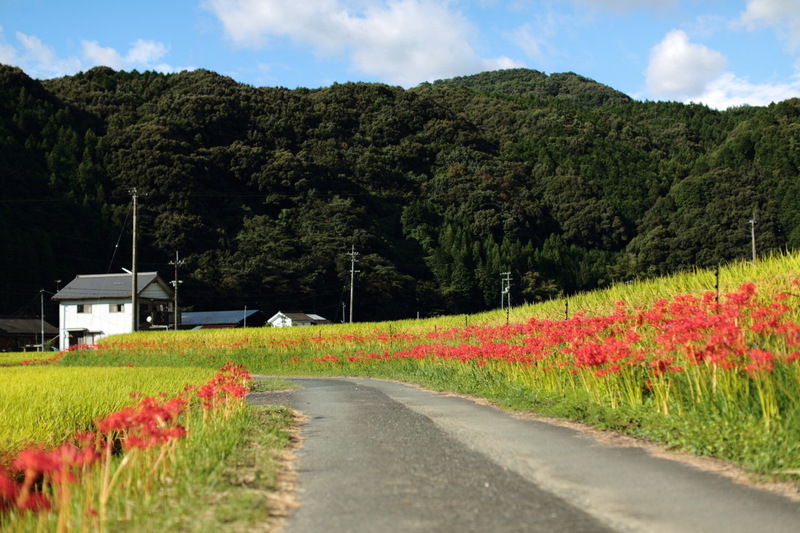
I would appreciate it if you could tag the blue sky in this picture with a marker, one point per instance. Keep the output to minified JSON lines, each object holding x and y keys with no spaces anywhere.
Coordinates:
{"x":718,"y":52}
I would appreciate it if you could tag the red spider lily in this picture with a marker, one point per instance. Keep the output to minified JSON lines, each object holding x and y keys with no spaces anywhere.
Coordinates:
{"x":35,"y":461}
{"x":9,"y":491}
{"x":760,"y":362}
{"x":34,"y":502}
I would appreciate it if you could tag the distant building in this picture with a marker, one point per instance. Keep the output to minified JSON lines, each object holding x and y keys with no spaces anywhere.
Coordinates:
{"x":281,"y":320}
{"x":240,"y":318}
{"x":24,"y":334}
{"x":94,"y":306}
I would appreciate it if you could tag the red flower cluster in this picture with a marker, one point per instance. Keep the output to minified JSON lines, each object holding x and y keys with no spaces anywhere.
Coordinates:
{"x":148,"y":424}
{"x":229,"y":384}
{"x":687,"y":329}
{"x":36,"y":477}
{"x":35,"y":469}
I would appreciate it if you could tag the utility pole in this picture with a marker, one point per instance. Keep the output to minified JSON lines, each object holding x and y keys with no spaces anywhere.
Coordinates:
{"x":175,"y":283}
{"x":752,"y":223}
{"x":352,"y":253}
{"x":134,"y":280}
{"x":41,"y":317}
{"x":505,"y":292}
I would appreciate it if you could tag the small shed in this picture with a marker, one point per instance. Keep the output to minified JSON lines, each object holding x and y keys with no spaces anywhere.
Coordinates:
{"x":282,"y":320}
{"x":239,"y":318}
{"x":24,"y":334}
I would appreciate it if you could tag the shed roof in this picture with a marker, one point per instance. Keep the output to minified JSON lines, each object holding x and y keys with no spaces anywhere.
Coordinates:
{"x":102,"y":286}
{"x":302,"y":317}
{"x":25,"y":326}
{"x":200,"y":318}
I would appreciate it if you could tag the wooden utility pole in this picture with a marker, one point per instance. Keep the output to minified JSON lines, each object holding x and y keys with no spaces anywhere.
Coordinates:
{"x":134,"y":276}
{"x":752,"y":223}
{"x":352,"y":253}
{"x":175,"y":283}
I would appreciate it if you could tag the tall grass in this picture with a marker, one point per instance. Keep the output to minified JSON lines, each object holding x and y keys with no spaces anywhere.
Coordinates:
{"x":45,"y":405}
{"x":105,"y":480}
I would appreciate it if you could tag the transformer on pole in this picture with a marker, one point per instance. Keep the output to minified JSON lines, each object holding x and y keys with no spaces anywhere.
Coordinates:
{"x":752,"y":223}
{"x":353,"y":254}
{"x":175,"y":283}
{"x":505,"y":292}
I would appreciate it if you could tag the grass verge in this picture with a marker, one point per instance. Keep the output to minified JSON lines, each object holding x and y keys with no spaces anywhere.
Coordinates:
{"x":230,"y":488}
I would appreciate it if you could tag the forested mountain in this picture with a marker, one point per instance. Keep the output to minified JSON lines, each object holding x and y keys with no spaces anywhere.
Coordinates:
{"x":562,"y":181}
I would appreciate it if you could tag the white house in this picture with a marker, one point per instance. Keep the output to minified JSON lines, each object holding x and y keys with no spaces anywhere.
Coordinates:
{"x":94,"y":306}
{"x":281,"y":320}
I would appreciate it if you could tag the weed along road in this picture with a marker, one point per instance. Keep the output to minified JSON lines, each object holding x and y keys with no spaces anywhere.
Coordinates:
{"x":384,"y":457}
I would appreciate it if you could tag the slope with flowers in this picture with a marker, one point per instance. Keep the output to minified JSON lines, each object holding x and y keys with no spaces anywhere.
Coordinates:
{"x":708,"y":362}
{"x":95,"y":479}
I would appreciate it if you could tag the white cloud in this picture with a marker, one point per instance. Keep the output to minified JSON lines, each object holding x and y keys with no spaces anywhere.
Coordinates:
{"x":8,"y":55}
{"x":782,"y":15}
{"x":145,"y":52}
{"x":98,"y":55}
{"x":690,"y":72}
{"x":400,"y":41}
{"x":534,"y":43}
{"x":680,"y":69}
{"x":141,"y":54}
{"x":728,"y":90}
{"x":629,"y":5}
{"x":40,"y":60}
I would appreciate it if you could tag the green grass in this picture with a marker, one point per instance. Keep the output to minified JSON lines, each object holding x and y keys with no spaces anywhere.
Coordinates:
{"x":221,"y":478}
{"x":17,"y":358}
{"x":47,"y":404}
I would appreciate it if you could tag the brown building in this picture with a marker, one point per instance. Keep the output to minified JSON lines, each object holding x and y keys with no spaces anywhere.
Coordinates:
{"x":25,"y":334}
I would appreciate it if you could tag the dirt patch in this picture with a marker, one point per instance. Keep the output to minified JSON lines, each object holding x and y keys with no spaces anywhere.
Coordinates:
{"x":282,"y":500}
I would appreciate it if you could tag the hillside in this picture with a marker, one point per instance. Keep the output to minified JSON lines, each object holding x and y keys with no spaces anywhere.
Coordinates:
{"x":531,"y":83}
{"x":566,"y":183}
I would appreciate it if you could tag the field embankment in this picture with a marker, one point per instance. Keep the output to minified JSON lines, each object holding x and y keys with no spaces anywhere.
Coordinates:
{"x":707,"y":362}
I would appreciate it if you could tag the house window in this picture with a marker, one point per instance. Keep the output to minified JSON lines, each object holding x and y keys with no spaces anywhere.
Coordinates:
{"x":84,"y":308}
{"x":116,"y":308}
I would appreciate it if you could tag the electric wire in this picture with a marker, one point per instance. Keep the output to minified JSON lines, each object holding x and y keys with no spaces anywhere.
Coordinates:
{"x":119,"y":239}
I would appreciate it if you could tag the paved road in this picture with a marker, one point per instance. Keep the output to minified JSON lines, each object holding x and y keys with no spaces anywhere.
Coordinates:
{"x":384,"y":457}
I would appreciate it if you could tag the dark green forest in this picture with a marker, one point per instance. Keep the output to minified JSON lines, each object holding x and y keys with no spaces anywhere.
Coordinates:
{"x":564,"y":182}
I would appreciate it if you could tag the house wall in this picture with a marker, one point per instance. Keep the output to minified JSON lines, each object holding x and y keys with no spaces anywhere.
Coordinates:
{"x":98,"y":323}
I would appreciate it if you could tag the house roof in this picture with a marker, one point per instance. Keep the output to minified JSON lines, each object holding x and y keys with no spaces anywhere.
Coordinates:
{"x":200,"y":318}
{"x":302,"y":317}
{"x":25,"y":326}
{"x":102,"y":286}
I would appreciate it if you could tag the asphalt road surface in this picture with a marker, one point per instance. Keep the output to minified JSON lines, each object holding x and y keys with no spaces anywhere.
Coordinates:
{"x":382,"y":457}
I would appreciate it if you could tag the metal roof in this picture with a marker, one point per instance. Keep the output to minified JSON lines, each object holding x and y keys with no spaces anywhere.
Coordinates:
{"x":101,"y":286}
{"x":302,"y":317}
{"x":24,"y":326}
{"x":200,"y":318}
